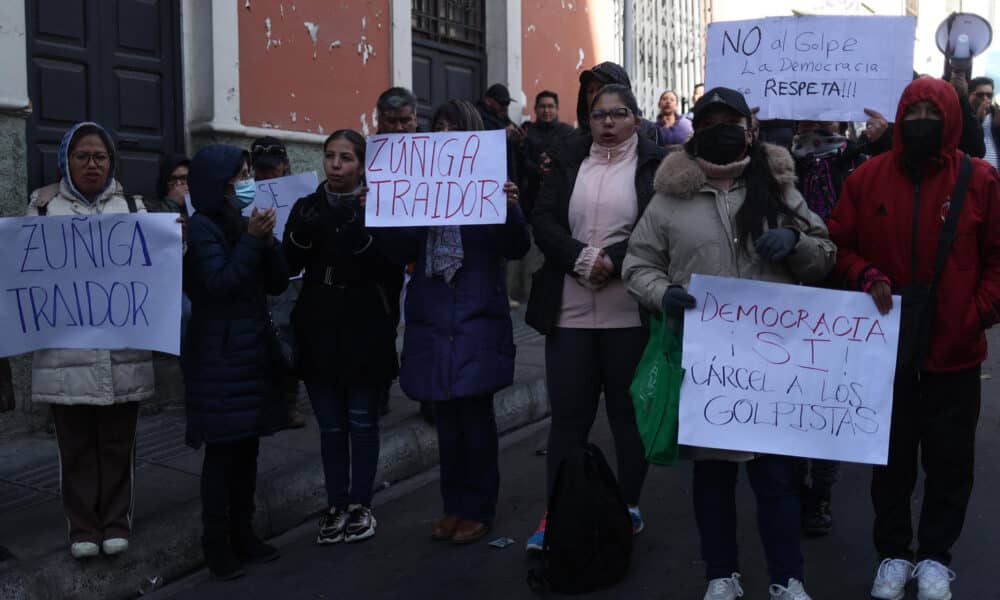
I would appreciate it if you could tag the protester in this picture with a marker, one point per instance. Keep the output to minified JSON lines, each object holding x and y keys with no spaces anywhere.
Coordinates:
{"x":171,"y":192}
{"x":172,"y":186}
{"x":591,"y":81}
{"x":397,"y":111}
{"x":696,"y":93}
{"x":598,"y":188}
{"x":824,"y":157}
{"x":766,"y":233}
{"x":94,"y":393}
{"x":981,"y":101}
{"x":458,"y":348}
{"x":674,"y":128}
{"x":346,"y":332}
{"x":936,"y":401}
{"x":269,"y":160}
{"x":232,"y":368}
{"x":494,"y":108}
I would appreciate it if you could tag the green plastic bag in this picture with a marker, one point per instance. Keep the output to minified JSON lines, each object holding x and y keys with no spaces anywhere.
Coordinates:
{"x":656,"y":390}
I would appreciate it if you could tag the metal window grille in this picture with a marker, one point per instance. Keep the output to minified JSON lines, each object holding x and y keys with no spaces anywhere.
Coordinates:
{"x":450,"y":21}
{"x":669,"y":50}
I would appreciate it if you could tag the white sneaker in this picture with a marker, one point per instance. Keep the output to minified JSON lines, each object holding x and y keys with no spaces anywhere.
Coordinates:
{"x":933,"y":580}
{"x":84,"y":549}
{"x":724,"y":588}
{"x":794,"y":591}
{"x":891,"y":579}
{"x":113,"y":546}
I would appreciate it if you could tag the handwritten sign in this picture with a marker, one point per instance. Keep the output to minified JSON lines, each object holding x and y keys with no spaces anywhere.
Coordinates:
{"x":817,"y":67}
{"x":280,"y":194}
{"x":785,"y":369}
{"x":105,"y":281}
{"x":446,"y":178}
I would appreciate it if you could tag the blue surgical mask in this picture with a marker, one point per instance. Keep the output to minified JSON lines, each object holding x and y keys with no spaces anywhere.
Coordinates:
{"x":245,"y":192}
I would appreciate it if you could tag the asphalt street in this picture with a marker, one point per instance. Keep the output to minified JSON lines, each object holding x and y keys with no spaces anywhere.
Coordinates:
{"x":402,"y":562}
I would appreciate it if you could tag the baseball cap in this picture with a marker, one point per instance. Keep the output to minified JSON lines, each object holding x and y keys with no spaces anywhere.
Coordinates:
{"x":500,"y":93}
{"x":724,"y":96}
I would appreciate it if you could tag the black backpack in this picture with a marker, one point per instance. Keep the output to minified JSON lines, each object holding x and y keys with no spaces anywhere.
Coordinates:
{"x":588,"y":536}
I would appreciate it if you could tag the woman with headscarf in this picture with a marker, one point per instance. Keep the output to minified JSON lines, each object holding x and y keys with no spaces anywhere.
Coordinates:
{"x":458,"y":349}
{"x":94,"y":393}
{"x":728,"y":206}
{"x":232,"y":369}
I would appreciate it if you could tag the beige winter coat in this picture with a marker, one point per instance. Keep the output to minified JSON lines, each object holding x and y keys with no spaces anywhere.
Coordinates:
{"x":88,"y":376}
{"x":690,"y":227}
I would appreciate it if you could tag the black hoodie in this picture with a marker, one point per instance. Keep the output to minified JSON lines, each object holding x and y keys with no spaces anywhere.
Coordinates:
{"x":608,"y":73}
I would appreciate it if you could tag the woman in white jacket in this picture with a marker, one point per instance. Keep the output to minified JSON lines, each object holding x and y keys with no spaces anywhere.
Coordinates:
{"x":94,"y":393}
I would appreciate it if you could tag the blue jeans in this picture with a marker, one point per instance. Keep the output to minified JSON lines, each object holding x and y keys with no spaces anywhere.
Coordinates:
{"x":349,"y":440}
{"x":775,"y":483}
{"x":468,"y":447}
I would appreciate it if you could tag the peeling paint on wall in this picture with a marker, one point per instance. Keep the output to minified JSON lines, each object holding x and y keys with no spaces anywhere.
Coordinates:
{"x":334,"y":44}
{"x":365,"y":50}
{"x":580,"y":64}
{"x":531,"y":28}
{"x":293,"y":116}
{"x":313,"y":30}
{"x":375,"y":118}
{"x":364,"y":125}
{"x":267,"y":32}
{"x":556,"y":44}
{"x":247,"y":5}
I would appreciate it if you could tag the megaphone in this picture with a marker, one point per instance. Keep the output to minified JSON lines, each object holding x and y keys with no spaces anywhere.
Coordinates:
{"x":961,"y":37}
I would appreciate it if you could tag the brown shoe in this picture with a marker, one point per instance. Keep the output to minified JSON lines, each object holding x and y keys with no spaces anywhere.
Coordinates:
{"x":444,"y":530}
{"x":470,"y":532}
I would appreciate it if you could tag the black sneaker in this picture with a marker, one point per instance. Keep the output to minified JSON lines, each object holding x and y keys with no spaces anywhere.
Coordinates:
{"x":817,"y":521}
{"x":332,"y":527}
{"x":361,"y":524}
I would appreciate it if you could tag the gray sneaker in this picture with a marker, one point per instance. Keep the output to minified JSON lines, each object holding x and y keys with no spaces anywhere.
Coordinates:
{"x":724,"y":588}
{"x":933,"y":580}
{"x":794,"y":591}
{"x":891,"y":579}
{"x":332,"y":527}
{"x":360,"y":524}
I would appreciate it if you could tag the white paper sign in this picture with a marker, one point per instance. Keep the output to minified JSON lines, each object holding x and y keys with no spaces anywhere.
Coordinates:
{"x":818,"y":67}
{"x":445,"y":178}
{"x":786,"y":369}
{"x":280,"y":194}
{"x":104,"y":281}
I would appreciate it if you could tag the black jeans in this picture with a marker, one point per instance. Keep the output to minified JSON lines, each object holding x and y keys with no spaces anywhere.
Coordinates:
{"x":468,"y":447}
{"x":579,"y":365}
{"x":775,"y":484}
{"x":934,"y":415}
{"x":228,"y":482}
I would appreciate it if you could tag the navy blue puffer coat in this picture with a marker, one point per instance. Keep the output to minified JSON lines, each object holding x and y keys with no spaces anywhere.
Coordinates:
{"x":232,"y":384}
{"x":459,"y":338}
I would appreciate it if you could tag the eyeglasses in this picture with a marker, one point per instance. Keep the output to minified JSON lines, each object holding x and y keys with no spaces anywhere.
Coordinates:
{"x":83,"y":158}
{"x":176,"y":181}
{"x":274,"y":150}
{"x":984,"y":95}
{"x":617,"y":114}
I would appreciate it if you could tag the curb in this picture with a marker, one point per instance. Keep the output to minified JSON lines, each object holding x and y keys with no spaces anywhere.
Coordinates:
{"x":288,"y":495}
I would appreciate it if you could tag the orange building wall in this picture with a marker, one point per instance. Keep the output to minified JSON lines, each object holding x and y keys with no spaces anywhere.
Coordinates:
{"x":289,"y":81}
{"x":553,"y":35}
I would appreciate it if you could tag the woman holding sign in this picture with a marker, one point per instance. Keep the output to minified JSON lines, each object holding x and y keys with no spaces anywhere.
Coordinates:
{"x":599,"y":187}
{"x":345,"y":326}
{"x":458,"y":349}
{"x":94,"y":393}
{"x":728,"y":206}
{"x":231,"y":367}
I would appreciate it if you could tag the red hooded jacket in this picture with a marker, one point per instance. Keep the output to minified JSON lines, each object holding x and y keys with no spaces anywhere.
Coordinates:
{"x":872,"y":226}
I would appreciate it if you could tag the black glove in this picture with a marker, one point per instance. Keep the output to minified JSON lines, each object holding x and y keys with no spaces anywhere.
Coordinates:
{"x":776,"y":244}
{"x":676,"y":301}
{"x":308,"y":225}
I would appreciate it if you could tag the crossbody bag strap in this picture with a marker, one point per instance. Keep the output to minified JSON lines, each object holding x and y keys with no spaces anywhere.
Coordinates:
{"x":950,"y":229}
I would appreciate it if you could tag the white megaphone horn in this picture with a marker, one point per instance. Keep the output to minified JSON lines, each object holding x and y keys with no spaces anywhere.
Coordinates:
{"x":961,"y":37}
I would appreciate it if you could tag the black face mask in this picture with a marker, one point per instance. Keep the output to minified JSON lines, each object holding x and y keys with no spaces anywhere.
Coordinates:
{"x":922,"y":138}
{"x":721,"y":144}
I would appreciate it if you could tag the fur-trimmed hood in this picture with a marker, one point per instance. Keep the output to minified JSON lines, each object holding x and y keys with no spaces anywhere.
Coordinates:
{"x":680,"y":176}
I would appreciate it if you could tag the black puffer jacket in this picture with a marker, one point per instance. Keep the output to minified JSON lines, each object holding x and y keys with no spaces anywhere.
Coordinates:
{"x":554,"y":235}
{"x":345,"y":318}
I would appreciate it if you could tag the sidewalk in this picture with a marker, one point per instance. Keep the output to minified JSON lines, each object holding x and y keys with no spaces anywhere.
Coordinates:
{"x":166,"y":539}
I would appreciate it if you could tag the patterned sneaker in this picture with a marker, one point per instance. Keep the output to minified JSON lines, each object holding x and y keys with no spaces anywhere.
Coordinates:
{"x":332,"y":527}
{"x":537,"y":540}
{"x":361,"y":523}
{"x":891,"y":579}
{"x":933,"y":580}
{"x":794,"y":591}
{"x":637,"y":523}
{"x":725,"y":588}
